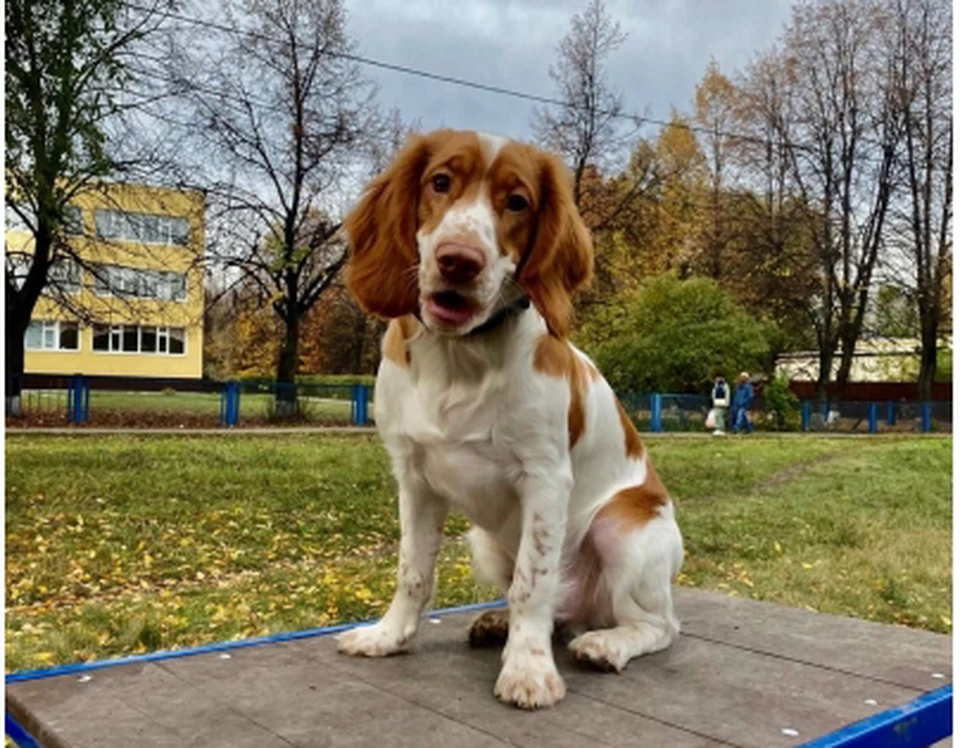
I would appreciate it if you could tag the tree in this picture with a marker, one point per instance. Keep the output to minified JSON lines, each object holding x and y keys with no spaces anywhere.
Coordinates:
{"x":924,"y":101}
{"x":715,"y":103}
{"x":831,"y":80}
{"x":284,"y":112}
{"x":64,"y":71}
{"x":586,"y":129}
{"x":674,"y":335}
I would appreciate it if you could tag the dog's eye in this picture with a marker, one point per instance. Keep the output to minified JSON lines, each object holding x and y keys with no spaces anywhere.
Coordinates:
{"x":441,"y":183}
{"x":517,"y":203}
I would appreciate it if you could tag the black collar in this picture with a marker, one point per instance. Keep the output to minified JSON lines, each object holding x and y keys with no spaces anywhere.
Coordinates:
{"x":502,"y":315}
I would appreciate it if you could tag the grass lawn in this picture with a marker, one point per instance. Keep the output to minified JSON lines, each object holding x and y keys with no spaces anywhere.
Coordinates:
{"x":251,"y":405}
{"x":117,"y":545}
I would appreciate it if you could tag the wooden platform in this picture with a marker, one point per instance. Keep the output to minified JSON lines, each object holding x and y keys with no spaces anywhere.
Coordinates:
{"x":743,"y":673}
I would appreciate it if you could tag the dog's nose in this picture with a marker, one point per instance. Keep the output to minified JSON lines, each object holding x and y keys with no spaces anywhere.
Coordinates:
{"x":459,"y":263}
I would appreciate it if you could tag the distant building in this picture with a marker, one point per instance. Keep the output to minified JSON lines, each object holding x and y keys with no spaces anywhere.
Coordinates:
{"x":133,"y":305}
{"x":877,"y":360}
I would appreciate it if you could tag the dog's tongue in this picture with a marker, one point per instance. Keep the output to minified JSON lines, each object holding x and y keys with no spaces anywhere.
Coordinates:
{"x":451,"y":309}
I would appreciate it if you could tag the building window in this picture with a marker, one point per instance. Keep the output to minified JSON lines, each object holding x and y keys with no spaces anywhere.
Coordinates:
{"x":142,"y":227}
{"x":139,"y":339}
{"x":72,"y":219}
{"x":114,"y":280}
{"x":64,"y":275}
{"x":52,"y":335}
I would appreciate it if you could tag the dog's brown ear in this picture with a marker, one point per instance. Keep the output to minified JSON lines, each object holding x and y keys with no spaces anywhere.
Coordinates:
{"x":382,"y":270}
{"x":561,"y":259}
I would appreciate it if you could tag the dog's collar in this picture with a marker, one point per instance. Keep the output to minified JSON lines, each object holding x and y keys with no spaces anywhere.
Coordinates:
{"x":502,"y":315}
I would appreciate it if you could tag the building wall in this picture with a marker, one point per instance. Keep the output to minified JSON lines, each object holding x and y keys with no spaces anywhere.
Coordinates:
{"x":874,"y":361}
{"x":88,"y":307}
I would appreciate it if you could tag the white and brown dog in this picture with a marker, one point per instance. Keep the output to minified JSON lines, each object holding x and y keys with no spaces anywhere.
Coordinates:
{"x":472,"y":246}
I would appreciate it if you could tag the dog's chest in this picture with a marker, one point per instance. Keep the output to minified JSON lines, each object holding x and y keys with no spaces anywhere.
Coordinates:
{"x":460,"y":451}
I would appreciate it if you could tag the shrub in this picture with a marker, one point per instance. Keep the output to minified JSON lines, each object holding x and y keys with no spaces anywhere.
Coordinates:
{"x":781,"y":404}
{"x":674,"y":335}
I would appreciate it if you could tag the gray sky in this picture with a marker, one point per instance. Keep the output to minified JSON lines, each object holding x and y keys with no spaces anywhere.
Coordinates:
{"x":511,"y":43}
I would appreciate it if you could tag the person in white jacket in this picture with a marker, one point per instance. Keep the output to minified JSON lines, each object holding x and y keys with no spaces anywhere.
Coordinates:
{"x":721,"y":401}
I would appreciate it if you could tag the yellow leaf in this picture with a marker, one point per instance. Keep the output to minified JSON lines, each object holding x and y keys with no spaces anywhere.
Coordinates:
{"x":806,"y":565}
{"x":776,"y":547}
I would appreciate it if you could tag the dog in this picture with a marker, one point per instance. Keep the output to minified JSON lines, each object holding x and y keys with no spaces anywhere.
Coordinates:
{"x":472,"y":246}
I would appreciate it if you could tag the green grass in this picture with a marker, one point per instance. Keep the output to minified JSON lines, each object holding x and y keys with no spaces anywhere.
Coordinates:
{"x":119,"y":545}
{"x":251,"y":405}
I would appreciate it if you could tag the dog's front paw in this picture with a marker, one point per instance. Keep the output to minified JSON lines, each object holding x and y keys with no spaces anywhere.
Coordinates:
{"x":374,"y":641}
{"x":530,"y":681}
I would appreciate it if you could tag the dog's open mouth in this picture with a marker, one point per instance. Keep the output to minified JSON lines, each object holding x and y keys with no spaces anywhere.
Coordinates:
{"x":450,"y":307}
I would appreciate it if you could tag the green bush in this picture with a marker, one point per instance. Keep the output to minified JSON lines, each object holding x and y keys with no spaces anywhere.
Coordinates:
{"x":782,"y":405}
{"x":674,"y":335}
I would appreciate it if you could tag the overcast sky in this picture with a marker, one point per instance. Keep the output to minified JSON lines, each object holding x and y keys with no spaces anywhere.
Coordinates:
{"x":511,"y":43}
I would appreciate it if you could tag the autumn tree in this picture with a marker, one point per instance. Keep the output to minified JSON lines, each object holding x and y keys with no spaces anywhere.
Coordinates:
{"x":923,"y":99}
{"x":280,"y":114}
{"x":588,"y":128}
{"x":65,"y":67}
{"x":828,"y":96}
{"x":715,"y":111}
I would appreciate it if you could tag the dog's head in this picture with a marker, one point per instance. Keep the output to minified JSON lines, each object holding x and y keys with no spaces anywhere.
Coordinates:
{"x":460,"y":225}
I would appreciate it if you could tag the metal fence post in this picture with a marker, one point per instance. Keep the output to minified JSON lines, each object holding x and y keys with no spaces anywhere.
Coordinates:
{"x":805,"y":413}
{"x":230,"y":404}
{"x":75,"y":399}
{"x":358,"y":404}
{"x":925,"y":418}
{"x":236,"y":404}
{"x":872,"y":417}
{"x":84,"y":400}
{"x":656,"y":409}
{"x":891,"y":414}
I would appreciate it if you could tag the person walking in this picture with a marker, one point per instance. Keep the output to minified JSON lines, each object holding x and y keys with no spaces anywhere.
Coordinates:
{"x":742,"y":400}
{"x":721,"y":400}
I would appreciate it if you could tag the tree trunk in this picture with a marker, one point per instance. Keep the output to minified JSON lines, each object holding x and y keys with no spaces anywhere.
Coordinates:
{"x":287,"y":366}
{"x":848,"y":348}
{"x":15,"y":327}
{"x":823,"y":378}
{"x":928,"y":361}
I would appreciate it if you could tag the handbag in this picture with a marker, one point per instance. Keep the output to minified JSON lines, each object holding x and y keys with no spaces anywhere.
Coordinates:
{"x":711,"y":422}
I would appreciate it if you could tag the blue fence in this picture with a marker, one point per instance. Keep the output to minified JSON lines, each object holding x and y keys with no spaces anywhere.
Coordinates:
{"x":876,"y":417}
{"x":141,"y":402}
{"x":104,"y":401}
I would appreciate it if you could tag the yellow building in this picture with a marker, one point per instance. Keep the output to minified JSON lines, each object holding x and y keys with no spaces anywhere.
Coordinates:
{"x":133,"y":303}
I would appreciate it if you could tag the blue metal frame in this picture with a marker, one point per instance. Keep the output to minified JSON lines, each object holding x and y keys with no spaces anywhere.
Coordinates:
{"x":171,"y":654}
{"x":17,"y":734}
{"x":918,"y":724}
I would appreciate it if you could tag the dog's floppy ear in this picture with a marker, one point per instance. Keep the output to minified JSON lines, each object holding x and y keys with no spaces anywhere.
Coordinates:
{"x":561,"y":258}
{"x":381,"y":272}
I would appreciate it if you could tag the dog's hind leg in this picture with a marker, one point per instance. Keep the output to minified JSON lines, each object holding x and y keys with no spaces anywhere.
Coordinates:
{"x":493,"y":565}
{"x":638,"y":570}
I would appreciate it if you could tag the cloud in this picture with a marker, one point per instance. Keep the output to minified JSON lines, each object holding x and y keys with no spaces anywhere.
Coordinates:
{"x":511,"y":43}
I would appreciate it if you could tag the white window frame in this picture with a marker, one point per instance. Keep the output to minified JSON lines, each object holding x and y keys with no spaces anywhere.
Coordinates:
{"x":129,"y":226}
{"x":163,"y":338}
{"x":53,"y":326}
{"x":165,"y":283}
